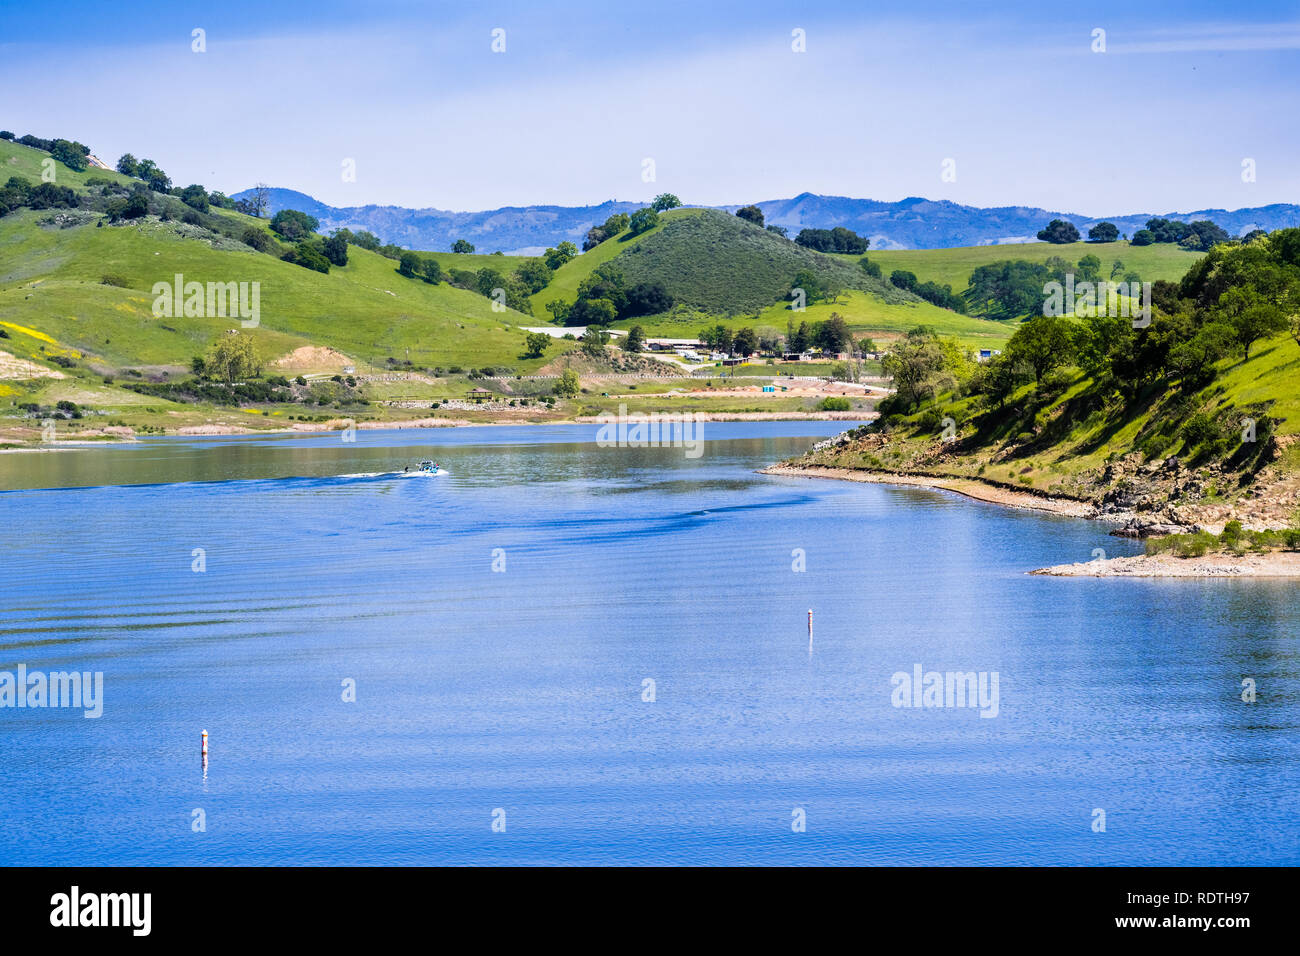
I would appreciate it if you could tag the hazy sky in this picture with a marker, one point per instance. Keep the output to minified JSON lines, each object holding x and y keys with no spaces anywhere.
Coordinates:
{"x":712,"y":92}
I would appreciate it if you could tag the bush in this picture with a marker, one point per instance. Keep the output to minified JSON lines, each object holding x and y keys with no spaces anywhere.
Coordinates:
{"x":309,"y":255}
{"x":831,"y":404}
{"x":1189,"y":545}
{"x":1155,"y":446}
{"x":135,"y":206}
{"x":257,"y":239}
{"x":929,"y":420}
{"x":112,"y":278}
{"x":1199,"y":428}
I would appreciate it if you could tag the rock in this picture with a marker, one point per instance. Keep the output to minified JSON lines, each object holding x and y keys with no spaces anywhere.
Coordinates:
{"x":1150,"y":528}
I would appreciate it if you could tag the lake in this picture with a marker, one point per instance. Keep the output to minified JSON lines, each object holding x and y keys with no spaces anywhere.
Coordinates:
{"x":562,"y":653}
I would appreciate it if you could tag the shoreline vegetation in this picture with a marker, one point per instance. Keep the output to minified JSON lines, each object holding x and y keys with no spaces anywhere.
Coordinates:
{"x":1179,"y":421}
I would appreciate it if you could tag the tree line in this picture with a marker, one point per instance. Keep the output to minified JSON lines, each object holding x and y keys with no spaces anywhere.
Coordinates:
{"x":1198,"y":236}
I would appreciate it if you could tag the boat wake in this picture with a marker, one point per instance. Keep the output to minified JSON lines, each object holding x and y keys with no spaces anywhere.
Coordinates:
{"x":396,"y":474}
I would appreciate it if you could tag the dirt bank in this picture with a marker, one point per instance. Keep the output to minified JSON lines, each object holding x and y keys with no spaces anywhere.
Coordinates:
{"x":970,"y":487}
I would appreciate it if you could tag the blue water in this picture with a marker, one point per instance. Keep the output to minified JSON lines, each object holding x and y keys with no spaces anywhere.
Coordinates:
{"x":521,"y":690}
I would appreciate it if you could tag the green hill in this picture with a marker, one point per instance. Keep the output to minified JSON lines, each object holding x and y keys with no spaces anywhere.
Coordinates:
{"x":55,"y":261}
{"x":564,"y":284}
{"x":953,"y":267}
{"x":52,"y":281}
{"x":720,"y":268}
{"x":723,"y":264}
{"x":714,"y":262}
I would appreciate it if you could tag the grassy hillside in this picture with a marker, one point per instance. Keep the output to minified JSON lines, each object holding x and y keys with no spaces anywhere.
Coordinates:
{"x":51,"y":282}
{"x":564,"y":284}
{"x":19,"y":160}
{"x":722,"y":264}
{"x":865,"y":314}
{"x":1062,"y":440}
{"x":476,"y":261}
{"x":1190,"y":421}
{"x":714,"y":263}
{"x":954,"y":266}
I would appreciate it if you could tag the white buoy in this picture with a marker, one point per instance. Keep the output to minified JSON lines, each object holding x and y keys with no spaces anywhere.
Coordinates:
{"x":205,"y":740}
{"x":810,"y":630}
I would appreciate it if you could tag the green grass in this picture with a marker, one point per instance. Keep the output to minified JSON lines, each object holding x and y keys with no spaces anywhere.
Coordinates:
{"x":1076,"y":434}
{"x":719,"y":264}
{"x":868,"y":315}
{"x":724,"y":265}
{"x":26,"y":161}
{"x":865,"y":314}
{"x":954,"y":266}
{"x":564,"y":284}
{"x":51,"y":282}
{"x":474,"y":262}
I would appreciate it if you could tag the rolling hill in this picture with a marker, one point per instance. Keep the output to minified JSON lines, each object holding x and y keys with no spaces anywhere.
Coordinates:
{"x":76,"y":295}
{"x":954,"y":266}
{"x":912,"y":223}
{"x":77,"y":321}
{"x":520,"y":230}
{"x":720,"y":263}
{"x":713,"y":262}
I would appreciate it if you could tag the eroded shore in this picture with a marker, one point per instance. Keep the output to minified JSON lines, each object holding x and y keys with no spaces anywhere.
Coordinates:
{"x":1280,"y":564}
{"x":970,"y":487}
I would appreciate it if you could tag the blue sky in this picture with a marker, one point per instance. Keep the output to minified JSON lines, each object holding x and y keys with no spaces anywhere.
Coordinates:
{"x":711,"y":92}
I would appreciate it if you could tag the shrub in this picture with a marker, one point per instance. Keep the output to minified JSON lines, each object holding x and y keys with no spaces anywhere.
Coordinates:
{"x":831,"y":404}
{"x":1200,"y":428}
{"x":1155,"y":446}
{"x":113,"y":278}
{"x":256,"y":238}
{"x":309,"y":255}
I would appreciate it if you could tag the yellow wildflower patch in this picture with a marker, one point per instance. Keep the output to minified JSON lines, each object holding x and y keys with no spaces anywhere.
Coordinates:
{"x":26,"y":331}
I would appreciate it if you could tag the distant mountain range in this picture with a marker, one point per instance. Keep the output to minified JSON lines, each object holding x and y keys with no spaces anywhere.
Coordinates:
{"x":912,"y":223}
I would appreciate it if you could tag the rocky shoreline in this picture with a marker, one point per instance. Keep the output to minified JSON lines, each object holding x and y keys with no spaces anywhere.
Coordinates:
{"x":1279,"y":564}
